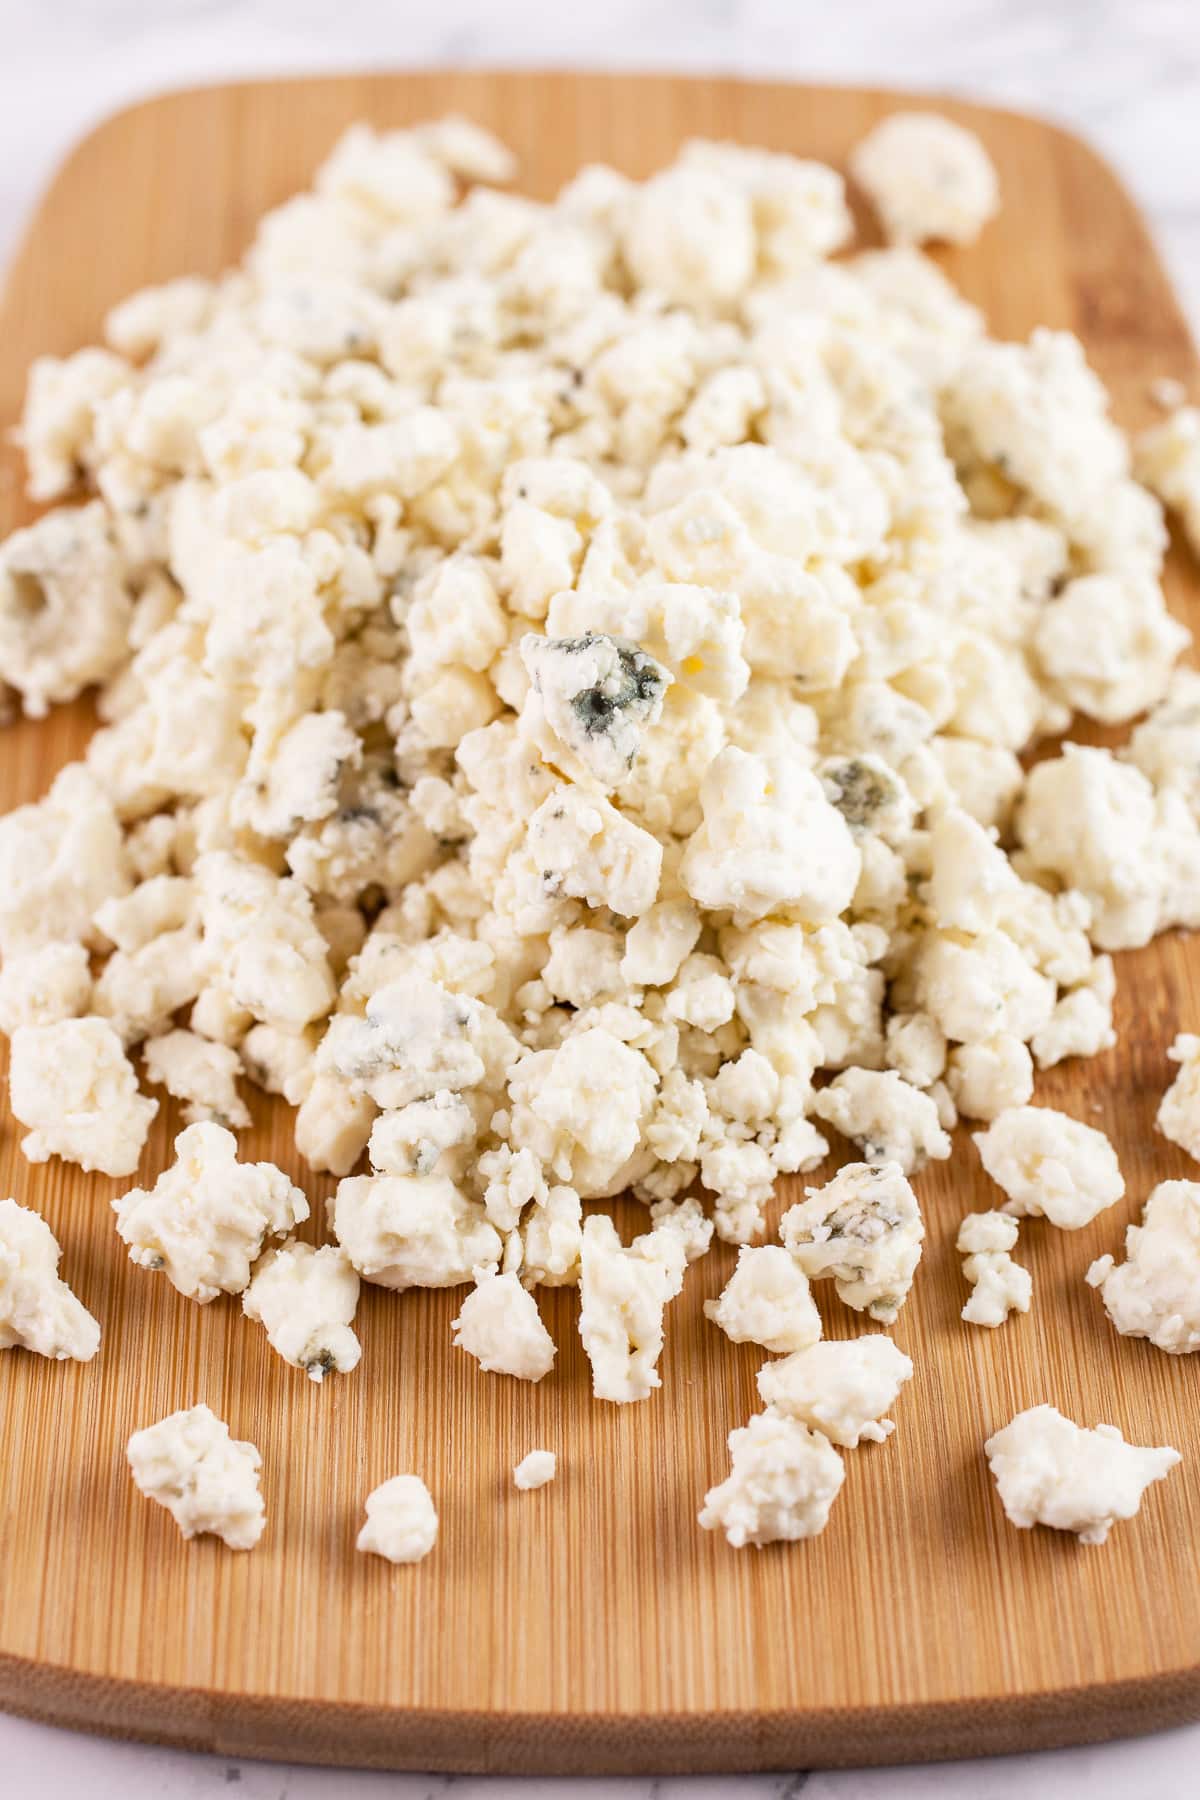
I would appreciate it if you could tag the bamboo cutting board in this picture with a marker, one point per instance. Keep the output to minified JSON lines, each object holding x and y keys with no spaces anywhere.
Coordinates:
{"x":591,"y":1627}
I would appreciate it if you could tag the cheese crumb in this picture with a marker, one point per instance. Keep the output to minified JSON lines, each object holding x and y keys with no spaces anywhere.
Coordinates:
{"x":38,"y":1311}
{"x":783,"y":1481}
{"x":1050,"y":1166}
{"x":926,"y":178}
{"x":1155,"y":1292}
{"x":767,"y":1301}
{"x":1050,"y":1471}
{"x":535,"y":1470}
{"x":839,"y":1389}
{"x":402,"y":1522}
{"x":864,"y":1229}
{"x":999,"y":1286}
{"x":206,"y":1479}
{"x":306,"y":1298}
{"x":206,"y":1218}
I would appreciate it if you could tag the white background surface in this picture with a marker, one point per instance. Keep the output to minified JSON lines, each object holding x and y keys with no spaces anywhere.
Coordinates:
{"x":1127,"y":75}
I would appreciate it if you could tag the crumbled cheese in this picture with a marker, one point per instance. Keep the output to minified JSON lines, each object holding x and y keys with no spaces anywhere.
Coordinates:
{"x":306,"y":1299}
{"x":1155,"y":1292}
{"x":1178,"y":1116}
{"x":890,"y":1121}
{"x":38,"y":1311}
{"x":206,"y":1218}
{"x":535,"y":1470}
{"x":500,"y":1326}
{"x":841,"y":1389}
{"x":566,"y":673}
{"x":1050,"y":1166}
{"x":864,"y":1229}
{"x":1050,"y":1471}
{"x":783,"y":1481}
{"x":201,"y":1073}
{"x":73,"y":1085}
{"x":927,"y":178}
{"x":44,"y":986}
{"x":65,"y":606}
{"x":623,"y":1296}
{"x":999,"y":1286}
{"x":412,"y":1230}
{"x":206,"y":1479}
{"x":1167,"y":460}
{"x":767,"y":1301}
{"x":402,"y":1522}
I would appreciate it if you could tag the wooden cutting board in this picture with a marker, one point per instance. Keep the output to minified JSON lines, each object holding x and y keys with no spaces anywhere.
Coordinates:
{"x":592,"y":1626}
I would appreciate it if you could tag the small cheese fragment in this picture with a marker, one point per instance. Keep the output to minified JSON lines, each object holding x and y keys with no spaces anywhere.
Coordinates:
{"x":306,"y":1298}
{"x":767,"y":1301}
{"x":864,"y":1229}
{"x":624,"y":1294}
{"x":596,"y":695}
{"x":781,"y":1485}
{"x":998,"y":1284}
{"x":1050,"y":1166}
{"x":582,"y":848}
{"x":840,"y":1388}
{"x":1167,"y":460}
{"x":1155,"y":1292}
{"x":1050,"y":1471}
{"x":402,"y":1521}
{"x":1178,"y":1115}
{"x":890,"y":1121}
{"x":43,"y":986}
{"x":204,"y":1221}
{"x":500,"y":1326}
{"x":535,"y":1470}
{"x":73,"y":1084}
{"x":38,"y":1311}
{"x":406,"y":1231}
{"x":199,"y":1072}
{"x":769,"y":839}
{"x":927,"y":178}
{"x":206,"y":1479}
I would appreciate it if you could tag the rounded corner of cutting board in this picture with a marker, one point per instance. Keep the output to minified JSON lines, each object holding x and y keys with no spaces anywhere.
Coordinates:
{"x":175,"y":179}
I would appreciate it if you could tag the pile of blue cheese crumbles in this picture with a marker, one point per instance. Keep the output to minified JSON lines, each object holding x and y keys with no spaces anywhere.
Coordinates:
{"x":563,"y":671}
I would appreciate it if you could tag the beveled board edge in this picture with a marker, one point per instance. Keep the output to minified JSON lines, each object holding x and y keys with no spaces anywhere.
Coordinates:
{"x":340,"y":1734}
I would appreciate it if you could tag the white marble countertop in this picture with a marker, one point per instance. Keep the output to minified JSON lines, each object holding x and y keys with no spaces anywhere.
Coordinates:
{"x":1127,"y":76}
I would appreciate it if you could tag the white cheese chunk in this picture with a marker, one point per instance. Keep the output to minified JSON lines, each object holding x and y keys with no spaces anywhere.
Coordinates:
{"x":1050,"y":1166}
{"x":500,"y":1326}
{"x":927,"y":178}
{"x":783,"y":1481}
{"x":767,"y":1301}
{"x":306,"y":1300}
{"x":535,"y":1470}
{"x":200,"y":1073}
{"x":206,"y":1218}
{"x":1155,"y":1292}
{"x":1050,"y":1471}
{"x":38,"y":1311}
{"x":623,"y":1296}
{"x":402,"y":1522}
{"x":999,"y":1286}
{"x":864,"y":1229}
{"x":841,"y":1389}
{"x":73,"y":1085}
{"x":1178,"y":1116}
{"x":206,"y":1479}
{"x":890,"y":1121}
{"x":405,"y":1231}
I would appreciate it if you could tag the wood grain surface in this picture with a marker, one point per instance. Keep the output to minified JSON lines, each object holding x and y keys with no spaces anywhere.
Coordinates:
{"x":591,"y":1626}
